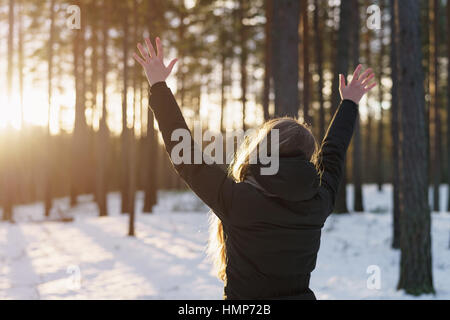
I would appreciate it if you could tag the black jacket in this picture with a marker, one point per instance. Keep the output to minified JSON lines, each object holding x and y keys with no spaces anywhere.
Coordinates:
{"x":271,"y":241}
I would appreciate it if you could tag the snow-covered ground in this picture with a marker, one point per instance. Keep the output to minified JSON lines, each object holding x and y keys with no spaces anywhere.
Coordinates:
{"x":92,"y":258}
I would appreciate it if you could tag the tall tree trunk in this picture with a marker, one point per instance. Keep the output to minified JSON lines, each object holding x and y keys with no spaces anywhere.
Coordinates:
{"x":125,"y":151}
{"x":448,"y":104}
{"x":79,"y":134}
{"x":319,"y":55}
{"x":132,"y":136}
{"x":267,"y":58}
{"x":93,"y":135}
{"x":380,"y":149}
{"x":286,"y":16}
{"x":435,"y":118}
{"x":368,"y":144}
{"x":8,"y":169}
{"x":395,"y":128}
{"x":342,"y":65}
{"x":357,"y":156}
{"x":48,"y":171}
{"x":306,"y":76}
{"x":151,"y":142}
{"x":415,"y":240}
{"x":242,"y":11}
{"x":103,"y":134}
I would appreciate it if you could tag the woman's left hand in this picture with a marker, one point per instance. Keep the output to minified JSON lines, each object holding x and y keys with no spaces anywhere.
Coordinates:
{"x":153,"y":62}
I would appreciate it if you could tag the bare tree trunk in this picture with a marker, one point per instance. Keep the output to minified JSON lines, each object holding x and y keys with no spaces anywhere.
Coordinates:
{"x":48,"y":165}
{"x":267,"y":58}
{"x":448,"y":104}
{"x":286,"y":16}
{"x":103,"y":134}
{"x":132,"y":136}
{"x":125,"y":179}
{"x":380,"y":153}
{"x":435,"y":117}
{"x":8,"y":191}
{"x":415,"y":240}
{"x":342,"y":65}
{"x":79,"y":134}
{"x":151,"y":142}
{"x":395,"y":128}
{"x":243,"y":57}
{"x":319,"y":54}
{"x":368,"y":144}
{"x":306,"y":74}
{"x":357,"y":159}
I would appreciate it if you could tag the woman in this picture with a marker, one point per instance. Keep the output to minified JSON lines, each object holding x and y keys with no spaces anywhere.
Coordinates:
{"x":267,"y":232}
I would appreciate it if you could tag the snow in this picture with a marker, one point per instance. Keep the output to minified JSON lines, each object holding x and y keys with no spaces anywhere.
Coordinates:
{"x":92,"y":258}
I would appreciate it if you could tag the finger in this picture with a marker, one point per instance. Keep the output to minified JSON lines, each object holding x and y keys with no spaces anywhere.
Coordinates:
{"x":159,"y":48}
{"x":150,"y":48}
{"x":342,"y":81}
{"x":365,"y":74}
{"x":139,"y":59}
{"x":366,"y":81}
{"x":356,"y":73}
{"x":143,"y":52}
{"x":370,"y":87}
{"x":171,"y":65}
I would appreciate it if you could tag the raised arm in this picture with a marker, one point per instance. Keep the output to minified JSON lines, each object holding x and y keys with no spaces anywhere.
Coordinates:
{"x":339,"y":134}
{"x":209,"y":182}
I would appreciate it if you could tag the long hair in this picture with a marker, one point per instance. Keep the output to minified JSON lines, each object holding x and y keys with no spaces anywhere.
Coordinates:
{"x":294,"y":138}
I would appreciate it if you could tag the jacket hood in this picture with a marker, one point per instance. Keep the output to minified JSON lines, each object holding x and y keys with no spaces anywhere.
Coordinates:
{"x":296,"y":180}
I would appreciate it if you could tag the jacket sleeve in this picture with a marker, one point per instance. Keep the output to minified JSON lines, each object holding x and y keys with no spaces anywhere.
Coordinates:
{"x":335,"y":145}
{"x":210,"y":182}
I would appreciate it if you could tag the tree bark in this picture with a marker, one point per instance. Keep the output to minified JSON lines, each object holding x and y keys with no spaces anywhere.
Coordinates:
{"x":395,"y":128}
{"x":286,"y":16}
{"x":79,"y":133}
{"x":342,"y":66}
{"x":132,"y":136}
{"x":415,"y":240}
{"x":7,"y":176}
{"x":357,"y":157}
{"x":306,"y":74}
{"x":243,"y":57}
{"x":125,"y":151}
{"x":319,"y":55}
{"x":448,"y":104}
{"x":48,"y":165}
{"x":267,"y":58}
{"x":434,"y":107}
{"x":151,"y":139}
{"x":380,"y":149}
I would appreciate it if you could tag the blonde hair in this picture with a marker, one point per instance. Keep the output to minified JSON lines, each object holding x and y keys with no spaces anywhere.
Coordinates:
{"x":295,"y":138}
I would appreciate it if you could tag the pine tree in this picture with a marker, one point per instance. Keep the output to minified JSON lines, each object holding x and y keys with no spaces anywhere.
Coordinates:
{"x":434,"y":107}
{"x":342,"y":66}
{"x":395,"y":128}
{"x":357,"y":152}
{"x":285,"y":56}
{"x":415,"y":240}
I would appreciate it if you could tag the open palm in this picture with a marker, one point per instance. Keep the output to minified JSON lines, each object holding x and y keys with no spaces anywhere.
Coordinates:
{"x":359,"y":85}
{"x":153,"y":62}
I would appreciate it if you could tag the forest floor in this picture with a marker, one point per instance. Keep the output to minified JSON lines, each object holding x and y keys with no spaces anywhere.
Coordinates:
{"x":92,"y":258}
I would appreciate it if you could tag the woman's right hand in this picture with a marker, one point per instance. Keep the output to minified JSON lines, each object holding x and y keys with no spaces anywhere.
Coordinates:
{"x":153,"y":62}
{"x":359,"y":85}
